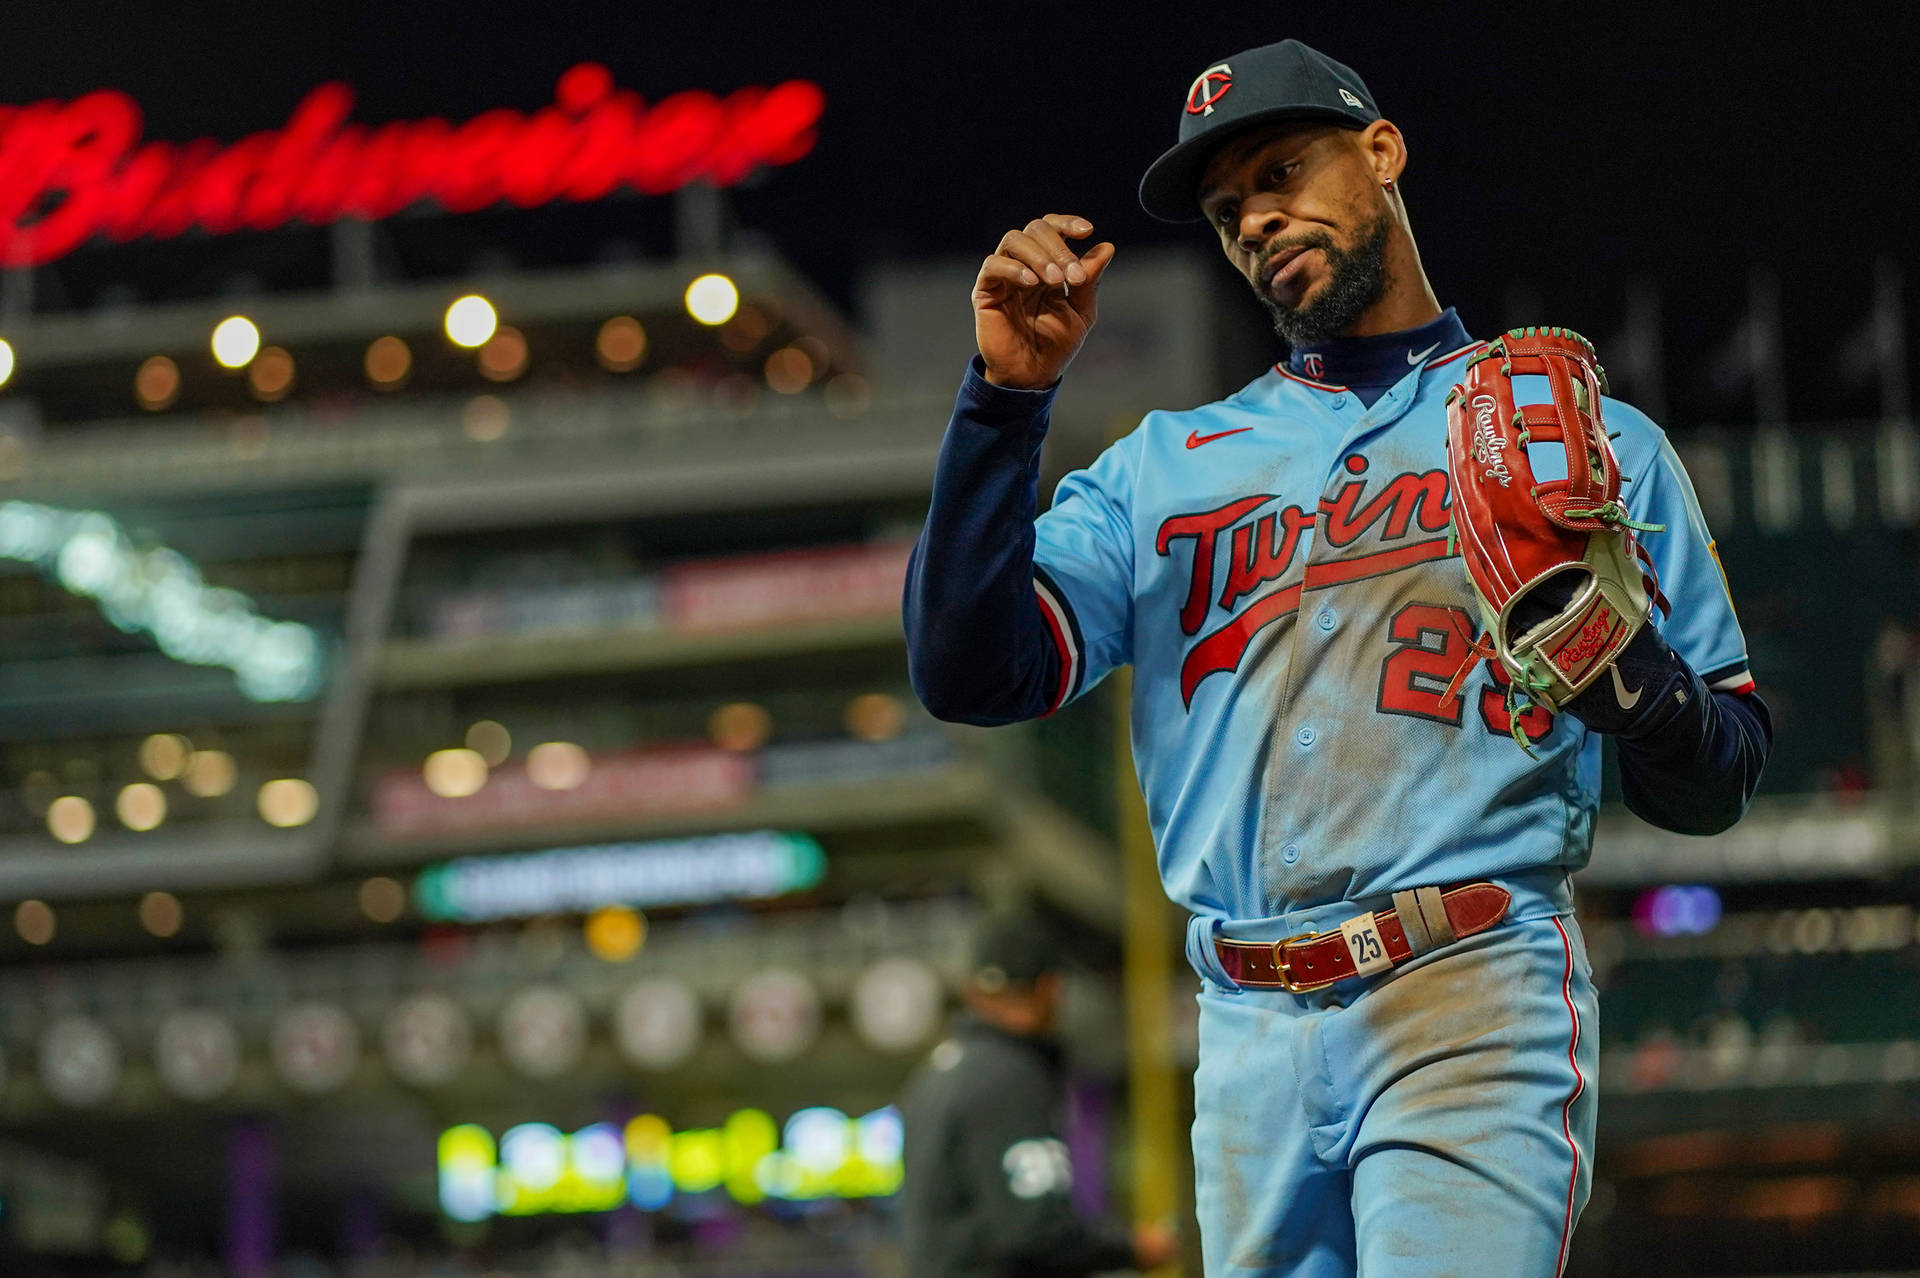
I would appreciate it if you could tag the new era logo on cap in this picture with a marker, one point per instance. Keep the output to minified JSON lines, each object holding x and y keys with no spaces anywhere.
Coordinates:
{"x":1208,"y":88}
{"x":1346,"y":96}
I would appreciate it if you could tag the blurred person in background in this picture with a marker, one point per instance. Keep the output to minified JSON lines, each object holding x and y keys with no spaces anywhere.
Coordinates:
{"x":988,"y":1177}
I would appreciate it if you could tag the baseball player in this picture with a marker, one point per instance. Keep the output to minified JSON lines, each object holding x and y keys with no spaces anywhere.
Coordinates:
{"x":1397,"y":1016}
{"x":988,"y":1179}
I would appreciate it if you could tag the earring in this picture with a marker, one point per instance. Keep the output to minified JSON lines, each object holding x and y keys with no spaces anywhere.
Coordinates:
{"x":1388,"y":184}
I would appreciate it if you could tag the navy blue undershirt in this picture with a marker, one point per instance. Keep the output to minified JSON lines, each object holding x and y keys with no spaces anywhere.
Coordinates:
{"x":979,"y":650}
{"x":1371,"y":366}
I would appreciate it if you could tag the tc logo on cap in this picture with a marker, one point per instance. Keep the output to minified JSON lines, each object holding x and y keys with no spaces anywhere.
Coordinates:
{"x":1208,"y":88}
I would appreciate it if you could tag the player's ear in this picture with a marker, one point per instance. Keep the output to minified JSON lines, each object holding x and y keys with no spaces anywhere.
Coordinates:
{"x":1385,"y":151}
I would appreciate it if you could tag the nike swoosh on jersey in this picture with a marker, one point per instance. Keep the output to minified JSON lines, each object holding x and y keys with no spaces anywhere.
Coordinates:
{"x":1415,"y":357}
{"x":1620,"y":690}
{"x":1195,"y":438}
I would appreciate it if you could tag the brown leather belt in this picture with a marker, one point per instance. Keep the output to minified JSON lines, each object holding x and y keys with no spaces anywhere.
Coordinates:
{"x":1423,"y":919}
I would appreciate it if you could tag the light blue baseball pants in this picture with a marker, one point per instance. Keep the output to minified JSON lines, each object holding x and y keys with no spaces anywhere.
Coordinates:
{"x":1434,"y":1121}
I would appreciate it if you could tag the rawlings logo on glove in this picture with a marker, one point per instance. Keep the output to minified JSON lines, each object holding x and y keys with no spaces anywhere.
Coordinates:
{"x":1488,"y":446}
{"x":1553,"y":562}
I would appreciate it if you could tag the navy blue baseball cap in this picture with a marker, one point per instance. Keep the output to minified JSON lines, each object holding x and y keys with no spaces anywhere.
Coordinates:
{"x":1269,"y":85}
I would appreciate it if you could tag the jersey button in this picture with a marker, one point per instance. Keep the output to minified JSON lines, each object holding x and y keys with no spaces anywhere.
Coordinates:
{"x":1304,"y":736}
{"x":1339,"y":401}
{"x":1327,"y":619}
{"x":1290,"y":853}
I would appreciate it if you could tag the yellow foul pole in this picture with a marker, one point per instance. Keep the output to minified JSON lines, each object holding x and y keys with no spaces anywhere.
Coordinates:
{"x":1149,"y":942}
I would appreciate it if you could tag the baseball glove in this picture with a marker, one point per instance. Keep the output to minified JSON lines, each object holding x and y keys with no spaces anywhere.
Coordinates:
{"x":1553,"y":562}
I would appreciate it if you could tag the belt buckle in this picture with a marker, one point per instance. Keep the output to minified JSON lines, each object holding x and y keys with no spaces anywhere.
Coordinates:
{"x":1287,"y":982}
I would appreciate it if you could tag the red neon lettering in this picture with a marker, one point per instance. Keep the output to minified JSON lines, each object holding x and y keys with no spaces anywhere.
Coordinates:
{"x":70,"y":171}
{"x":55,"y":161}
{"x":599,"y":162}
{"x":269,"y":201}
{"x":675,"y":136}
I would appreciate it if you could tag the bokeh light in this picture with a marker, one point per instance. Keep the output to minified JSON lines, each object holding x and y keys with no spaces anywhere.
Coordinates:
{"x":485,"y":418}
{"x":746,"y":330}
{"x":621,"y":345}
{"x":270,"y":376}
{"x":875,"y":716}
{"x":34,"y":921}
{"x":157,"y":383}
{"x":740,"y":725}
{"x":558,"y":765}
{"x":6,"y":362}
{"x":789,"y":370}
{"x":235,"y":341}
{"x":491,"y":741}
{"x":504,"y":357}
{"x":163,"y":756}
{"x":70,"y":819}
{"x":209,"y":774}
{"x":161,"y":913}
{"x":388,"y":361}
{"x":712,"y":299}
{"x":615,"y":933}
{"x":471,"y":321}
{"x":455,"y":773}
{"x":141,"y":806}
{"x":382,"y":899}
{"x":287,"y":802}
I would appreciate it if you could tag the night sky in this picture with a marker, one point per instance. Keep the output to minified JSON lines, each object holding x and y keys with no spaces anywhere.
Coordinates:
{"x":1565,"y":147}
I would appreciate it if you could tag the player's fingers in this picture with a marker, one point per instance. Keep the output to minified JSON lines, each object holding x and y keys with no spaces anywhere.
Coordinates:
{"x":1095,"y":264}
{"x":999,"y":270}
{"x":1024,"y":248}
{"x":1043,"y":232}
{"x":1096,"y":261}
{"x":1071,"y":225}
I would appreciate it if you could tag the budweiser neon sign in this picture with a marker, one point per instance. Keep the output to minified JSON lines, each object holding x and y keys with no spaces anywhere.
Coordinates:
{"x":74,"y":171}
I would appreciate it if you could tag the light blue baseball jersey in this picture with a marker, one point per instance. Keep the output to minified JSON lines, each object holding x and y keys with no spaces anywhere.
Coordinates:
{"x":1275,"y":567}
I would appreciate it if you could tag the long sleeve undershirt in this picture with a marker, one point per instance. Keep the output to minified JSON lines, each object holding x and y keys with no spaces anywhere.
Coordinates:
{"x":979,"y":650}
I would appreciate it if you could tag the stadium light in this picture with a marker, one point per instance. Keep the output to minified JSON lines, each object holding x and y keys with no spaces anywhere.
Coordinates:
{"x":621,"y":344}
{"x":288,"y":802}
{"x":70,"y":819}
{"x":271,"y":376}
{"x":471,"y":321}
{"x":712,"y":299}
{"x":141,"y":806}
{"x":388,"y":361}
{"x":455,"y":773}
{"x":34,"y":921}
{"x":157,"y":384}
{"x":235,"y":341}
{"x":6,"y":361}
{"x":161,"y":913}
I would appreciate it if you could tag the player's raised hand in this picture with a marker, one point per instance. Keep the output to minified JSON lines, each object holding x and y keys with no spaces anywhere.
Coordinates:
{"x":1034,"y":301}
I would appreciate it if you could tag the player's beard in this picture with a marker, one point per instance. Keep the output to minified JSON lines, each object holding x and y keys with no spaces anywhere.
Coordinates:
{"x":1356,"y":279}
